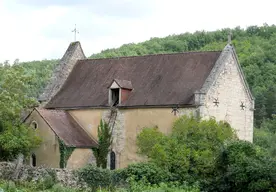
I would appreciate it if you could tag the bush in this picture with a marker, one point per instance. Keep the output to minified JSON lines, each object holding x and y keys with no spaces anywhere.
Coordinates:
{"x":60,"y":188}
{"x":9,"y":187}
{"x":95,"y":177}
{"x":46,"y":183}
{"x":241,"y":166}
{"x":144,"y":186}
{"x":150,"y":171}
{"x":188,"y":153}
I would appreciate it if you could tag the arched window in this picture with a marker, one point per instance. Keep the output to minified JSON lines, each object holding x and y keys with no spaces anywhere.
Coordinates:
{"x":34,"y":125}
{"x":33,"y":160}
{"x":112,"y":160}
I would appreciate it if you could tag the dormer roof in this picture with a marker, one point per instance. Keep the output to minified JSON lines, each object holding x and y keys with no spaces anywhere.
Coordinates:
{"x":124,"y":84}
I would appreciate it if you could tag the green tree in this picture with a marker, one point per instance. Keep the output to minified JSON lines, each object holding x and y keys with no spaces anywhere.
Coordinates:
{"x":15,"y":138}
{"x":104,"y":143}
{"x":242,"y":166}
{"x":188,"y":152}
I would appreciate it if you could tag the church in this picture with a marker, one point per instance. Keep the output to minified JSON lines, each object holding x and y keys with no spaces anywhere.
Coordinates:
{"x":131,"y":93}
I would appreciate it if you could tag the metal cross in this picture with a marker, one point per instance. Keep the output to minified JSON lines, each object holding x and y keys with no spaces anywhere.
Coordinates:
{"x":75,"y":32}
{"x":229,"y":38}
{"x":175,"y":110}
{"x":216,"y":102}
{"x":242,"y":106}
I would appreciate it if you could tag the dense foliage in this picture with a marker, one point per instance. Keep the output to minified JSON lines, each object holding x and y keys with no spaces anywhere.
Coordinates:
{"x":20,"y":85}
{"x":95,"y":177}
{"x":134,"y":178}
{"x":241,"y":166}
{"x":15,"y":138}
{"x":204,"y":152}
{"x":265,"y":136}
{"x":48,"y":186}
{"x":151,"y":171}
{"x":188,"y":152}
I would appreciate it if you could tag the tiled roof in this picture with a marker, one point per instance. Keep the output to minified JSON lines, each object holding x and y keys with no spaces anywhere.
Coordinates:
{"x":157,"y":80}
{"x":66,"y":128}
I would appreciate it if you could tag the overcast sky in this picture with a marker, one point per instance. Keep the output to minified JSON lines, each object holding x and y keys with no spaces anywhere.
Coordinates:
{"x":42,"y":29}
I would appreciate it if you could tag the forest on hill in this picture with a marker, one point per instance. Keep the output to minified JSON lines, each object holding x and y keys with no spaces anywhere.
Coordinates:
{"x":255,"y":46}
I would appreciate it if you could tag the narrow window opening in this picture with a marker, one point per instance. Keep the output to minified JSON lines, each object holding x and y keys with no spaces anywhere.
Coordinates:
{"x":115,"y":94}
{"x":33,"y":160}
{"x":112,"y":160}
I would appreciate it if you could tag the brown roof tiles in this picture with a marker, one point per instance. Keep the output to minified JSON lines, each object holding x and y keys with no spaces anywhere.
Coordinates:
{"x":157,"y":80}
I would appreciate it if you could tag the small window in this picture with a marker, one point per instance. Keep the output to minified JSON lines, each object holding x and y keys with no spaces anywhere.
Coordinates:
{"x":33,"y":160}
{"x":112,"y":160}
{"x":115,"y":94}
{"x":34,"y":125}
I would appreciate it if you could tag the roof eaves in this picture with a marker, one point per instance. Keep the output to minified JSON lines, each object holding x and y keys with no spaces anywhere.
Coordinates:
{"x":118,"y":106}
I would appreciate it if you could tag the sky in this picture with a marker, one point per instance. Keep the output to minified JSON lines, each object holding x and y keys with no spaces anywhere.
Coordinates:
{"x":42,"y":29}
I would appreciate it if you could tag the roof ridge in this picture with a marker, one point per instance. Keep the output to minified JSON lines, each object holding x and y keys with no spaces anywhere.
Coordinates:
{"x":157,"y":54}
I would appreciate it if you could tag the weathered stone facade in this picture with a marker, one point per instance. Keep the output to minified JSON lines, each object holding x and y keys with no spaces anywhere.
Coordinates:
{"x":226,"y":96}
{"x":63,"y":69}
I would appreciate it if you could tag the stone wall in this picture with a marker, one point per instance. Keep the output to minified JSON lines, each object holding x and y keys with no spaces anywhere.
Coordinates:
{"x":27,"y":173}
{"x":225,"y":92}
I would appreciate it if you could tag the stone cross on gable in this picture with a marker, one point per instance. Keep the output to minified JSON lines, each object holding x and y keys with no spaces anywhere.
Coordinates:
{"x":75,"y":32}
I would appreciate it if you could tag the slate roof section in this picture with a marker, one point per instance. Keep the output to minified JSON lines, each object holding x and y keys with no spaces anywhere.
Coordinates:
{"x":62,"y":70}
{"x":66,"y":128}
{"x":157,"y":80}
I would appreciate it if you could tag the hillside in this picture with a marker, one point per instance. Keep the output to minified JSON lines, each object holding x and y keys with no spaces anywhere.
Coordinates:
{"x":255,"y":46}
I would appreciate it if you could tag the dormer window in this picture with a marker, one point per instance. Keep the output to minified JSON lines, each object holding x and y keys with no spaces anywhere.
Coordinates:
{"x":115,"y":96}
{"x":119,"y":91}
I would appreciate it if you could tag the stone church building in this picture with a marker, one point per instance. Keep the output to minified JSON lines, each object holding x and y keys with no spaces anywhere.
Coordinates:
{"x":131,"y":93}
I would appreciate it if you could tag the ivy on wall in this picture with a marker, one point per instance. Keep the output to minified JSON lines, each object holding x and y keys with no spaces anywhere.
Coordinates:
{"x":65,"y":153}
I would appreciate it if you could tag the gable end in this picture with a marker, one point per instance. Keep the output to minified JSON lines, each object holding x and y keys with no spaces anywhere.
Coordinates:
{"x":218,"y":68}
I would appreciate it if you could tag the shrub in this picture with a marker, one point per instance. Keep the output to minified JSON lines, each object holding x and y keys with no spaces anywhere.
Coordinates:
{"x":150,"y":171}
{"x":9,"y":187}
{"x":241,"y":166}
{"x":144,"y":186}
{"x":95,"y":177}
{"x":46,"y":183}
{"x":188,"y":153}
{"x":60,"y":188}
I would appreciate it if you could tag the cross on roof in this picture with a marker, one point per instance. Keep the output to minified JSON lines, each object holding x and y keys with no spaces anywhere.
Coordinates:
{"x":75,"y":32}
